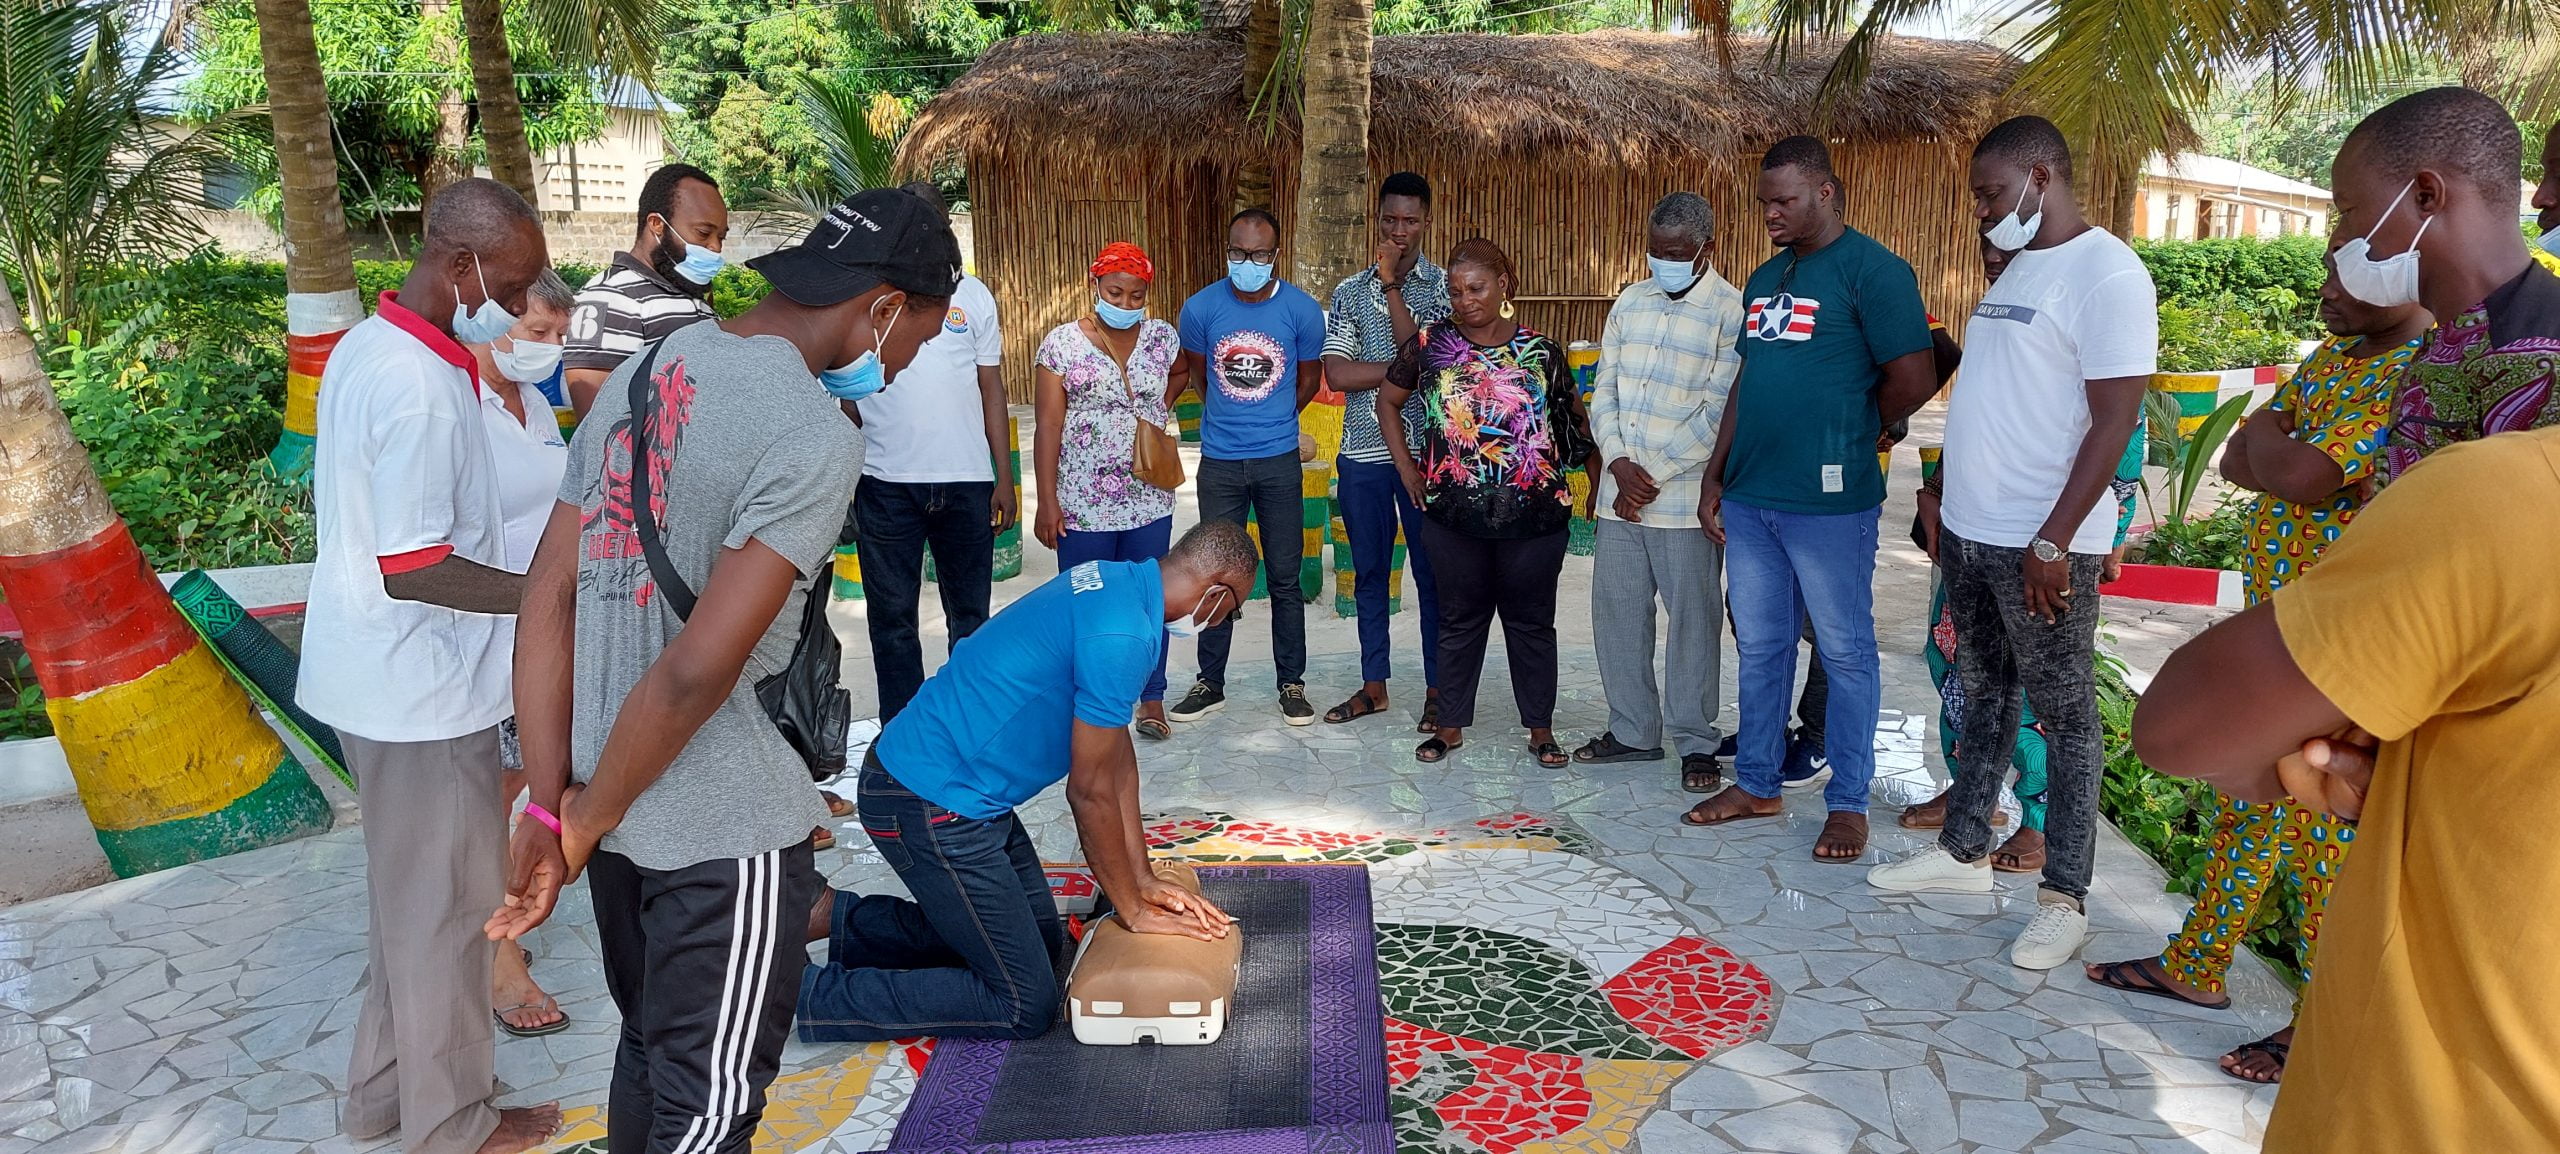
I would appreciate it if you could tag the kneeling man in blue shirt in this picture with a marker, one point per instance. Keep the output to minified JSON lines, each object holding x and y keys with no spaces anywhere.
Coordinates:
{"x":1044,"y":691}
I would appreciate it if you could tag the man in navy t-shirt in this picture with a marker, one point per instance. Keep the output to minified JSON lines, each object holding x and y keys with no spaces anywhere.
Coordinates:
{"x":1256,"y":343}
{"x":1042,"y":692}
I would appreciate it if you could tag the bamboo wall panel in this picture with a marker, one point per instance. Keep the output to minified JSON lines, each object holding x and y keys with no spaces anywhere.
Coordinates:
{"x":1575,"y":233}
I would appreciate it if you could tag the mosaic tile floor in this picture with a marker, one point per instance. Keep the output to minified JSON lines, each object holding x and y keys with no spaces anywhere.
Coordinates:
{"x":1575,"y":972}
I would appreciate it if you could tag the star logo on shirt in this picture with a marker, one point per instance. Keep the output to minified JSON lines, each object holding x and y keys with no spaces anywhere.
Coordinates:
{"x":1784,"y":317}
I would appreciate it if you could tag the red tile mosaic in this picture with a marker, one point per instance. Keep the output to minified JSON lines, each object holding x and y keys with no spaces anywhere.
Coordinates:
{"x":1692,"y":995}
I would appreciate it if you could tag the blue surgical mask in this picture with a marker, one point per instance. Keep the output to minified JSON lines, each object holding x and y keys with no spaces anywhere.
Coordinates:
{"x":1115,"y":316}
{"x":485,"y":324}
{"x":2551,"y":242}
{"x":1248,"y":277}
{"x":865,"y":376}
{"x":700,"y":264}
{"x":1673,"y":276}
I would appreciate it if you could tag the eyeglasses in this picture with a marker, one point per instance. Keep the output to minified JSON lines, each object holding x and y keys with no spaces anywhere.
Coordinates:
{"x":1256,"y":256}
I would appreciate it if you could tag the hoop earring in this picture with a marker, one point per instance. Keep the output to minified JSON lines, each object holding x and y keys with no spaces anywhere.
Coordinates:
{"x":1506,"y":310}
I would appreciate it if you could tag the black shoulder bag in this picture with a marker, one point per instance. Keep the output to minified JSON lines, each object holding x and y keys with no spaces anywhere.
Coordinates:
{"x":806,"y":701}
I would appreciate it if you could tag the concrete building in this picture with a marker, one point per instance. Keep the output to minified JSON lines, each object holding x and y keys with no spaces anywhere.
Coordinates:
{"x":2193,"y":196}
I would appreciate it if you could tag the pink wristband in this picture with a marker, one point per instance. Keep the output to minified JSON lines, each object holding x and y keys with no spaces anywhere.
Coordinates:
{"x":535,"y":811}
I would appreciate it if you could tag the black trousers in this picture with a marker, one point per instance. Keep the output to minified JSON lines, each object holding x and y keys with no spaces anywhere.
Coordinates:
{"x":895,"y":522}
{"x":704,"y":964}
{"x":1479,"y":578}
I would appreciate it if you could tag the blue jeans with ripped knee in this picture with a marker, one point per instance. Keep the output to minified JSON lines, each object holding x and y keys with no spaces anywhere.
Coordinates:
{"x":973,"y":956}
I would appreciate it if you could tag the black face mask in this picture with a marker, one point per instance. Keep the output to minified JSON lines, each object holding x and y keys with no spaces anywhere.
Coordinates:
{"x":663,"y":261}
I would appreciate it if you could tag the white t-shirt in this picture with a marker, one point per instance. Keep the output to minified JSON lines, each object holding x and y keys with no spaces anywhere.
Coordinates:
{"x":402,"y":476}
{"x":928,"y":426}
{"x":530,"y":456}
{"x":2081,"y":311}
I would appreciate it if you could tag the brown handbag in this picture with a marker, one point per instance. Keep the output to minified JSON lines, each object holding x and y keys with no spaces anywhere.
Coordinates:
{"x":1155,"y":456}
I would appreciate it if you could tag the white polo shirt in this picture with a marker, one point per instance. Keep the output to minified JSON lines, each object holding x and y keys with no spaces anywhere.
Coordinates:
{"x":530,"y":456}
{"x":928,"y":426}
{"x":402,"y":477}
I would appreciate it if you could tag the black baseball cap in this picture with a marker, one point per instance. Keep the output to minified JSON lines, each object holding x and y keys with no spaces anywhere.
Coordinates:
{"x":874,"y":236}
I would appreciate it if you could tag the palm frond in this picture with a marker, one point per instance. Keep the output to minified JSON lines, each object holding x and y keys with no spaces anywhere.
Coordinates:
{"x":620,"y":37}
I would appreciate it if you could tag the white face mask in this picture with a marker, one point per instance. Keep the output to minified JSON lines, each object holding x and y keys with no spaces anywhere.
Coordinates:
{"x":2014,"y":231}
{"x":2391,"y":281}
{"x":1191,"y":625}
{"x":529,"y":362}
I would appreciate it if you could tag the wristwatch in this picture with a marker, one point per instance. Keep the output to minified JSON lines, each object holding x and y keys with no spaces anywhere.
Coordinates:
{"x":2044,"y":550}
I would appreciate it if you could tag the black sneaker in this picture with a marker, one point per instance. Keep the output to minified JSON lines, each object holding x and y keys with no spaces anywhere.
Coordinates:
{"x":1203,"y":700}
{"x":1293,"y":705}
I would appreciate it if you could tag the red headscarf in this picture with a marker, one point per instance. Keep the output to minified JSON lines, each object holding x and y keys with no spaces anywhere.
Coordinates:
{"x":1122,"y":256}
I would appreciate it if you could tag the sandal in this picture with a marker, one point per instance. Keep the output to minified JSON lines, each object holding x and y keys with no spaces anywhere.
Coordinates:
{"x":515,"y":1031}
{"x":1701,"y":773}
{"x":1710,"y":812}
{"x":1359,"y":705}
{"x":1606,"y":749}
{"x":822,"y":838}
{"x":837,"y":806}
{"x":2269,"y":1046}
{"x":1433,"y":750}
{"x":1550,"y":755}
{"x":1430,"y":716}
{"x":2132,"y":978}
{"x":2009,"y":861}
{"x":1154,"y":728}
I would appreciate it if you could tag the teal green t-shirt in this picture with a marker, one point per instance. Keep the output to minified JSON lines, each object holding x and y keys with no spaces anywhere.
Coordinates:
{"x":1816,"y":332}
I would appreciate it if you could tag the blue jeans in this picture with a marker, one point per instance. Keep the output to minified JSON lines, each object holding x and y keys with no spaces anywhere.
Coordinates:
{"x":894,"y":522}
{"x":1144,"y":543}
{"x":972,"y":957}
{"x":1780,"y":569}
{"x":1373,"y":504}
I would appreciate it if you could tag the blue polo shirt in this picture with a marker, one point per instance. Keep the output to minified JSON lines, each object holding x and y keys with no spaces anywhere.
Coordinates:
{"x":995,"y":726}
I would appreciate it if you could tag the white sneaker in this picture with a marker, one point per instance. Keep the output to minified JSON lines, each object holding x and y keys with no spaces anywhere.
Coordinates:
{"x":2052,"y":936}
{"x":1932,"y":871}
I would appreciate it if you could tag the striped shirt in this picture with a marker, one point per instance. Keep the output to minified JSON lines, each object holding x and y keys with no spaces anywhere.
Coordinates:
{"x":1358,"y":329}
{"x":1666,"y":367}
{"x":625,"y":307}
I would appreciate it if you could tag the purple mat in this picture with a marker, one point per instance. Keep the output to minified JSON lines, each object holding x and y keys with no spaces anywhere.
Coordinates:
{"x":1302,"y":1063}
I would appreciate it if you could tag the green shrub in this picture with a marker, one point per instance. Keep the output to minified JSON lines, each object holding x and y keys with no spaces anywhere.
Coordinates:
{"x":2217,"y":540}
{"x":2218,"y":334}
{"x":2274,"y":283}
{"x":375,"y":277}
{"x":737,"y":289}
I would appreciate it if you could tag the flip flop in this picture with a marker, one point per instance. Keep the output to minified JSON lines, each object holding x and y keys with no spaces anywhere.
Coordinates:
{"x":1432,"y":751}
{"x":515,"y":1031}
{"x":1154,"y":728}
{"x":2267,"y":1046}
{"x":1357,"y":706}
{"x":2114,"y":976}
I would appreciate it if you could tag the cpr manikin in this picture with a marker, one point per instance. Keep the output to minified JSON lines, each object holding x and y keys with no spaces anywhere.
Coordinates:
{"x":1128,"y":987}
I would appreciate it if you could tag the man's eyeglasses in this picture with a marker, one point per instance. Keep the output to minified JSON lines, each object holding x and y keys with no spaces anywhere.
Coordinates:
{"x":1255,"y":256}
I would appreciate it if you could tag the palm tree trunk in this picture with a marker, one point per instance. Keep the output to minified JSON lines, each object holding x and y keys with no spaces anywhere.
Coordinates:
{"x":319,"y":266}
{"x":451,"y":160}
{"x":1261,"y":56}
{"x":1332,"y":229}
{"x":2128,"y":193}
{"x":171,"y":760}
{"x":493,"y":82}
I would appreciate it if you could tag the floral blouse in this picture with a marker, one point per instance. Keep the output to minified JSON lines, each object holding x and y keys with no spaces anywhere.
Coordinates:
{"x":1501,"y":426}
{"x":1096,"y":493}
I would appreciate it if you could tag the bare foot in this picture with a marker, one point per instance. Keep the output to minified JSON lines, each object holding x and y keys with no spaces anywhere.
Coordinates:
{"x":1732,"y":805}
{"x":1843,"y":838}
{"x":822,"y":915}
{"x":523,"y":1128}
{"x":521,"y":1003}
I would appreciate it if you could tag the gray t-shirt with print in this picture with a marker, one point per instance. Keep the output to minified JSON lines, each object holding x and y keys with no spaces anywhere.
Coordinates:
{"x":746,"y":444}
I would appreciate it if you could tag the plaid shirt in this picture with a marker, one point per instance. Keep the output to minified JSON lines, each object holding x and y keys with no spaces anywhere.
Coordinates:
{"x":1359,"y":329}
{"x":1666,"y":367}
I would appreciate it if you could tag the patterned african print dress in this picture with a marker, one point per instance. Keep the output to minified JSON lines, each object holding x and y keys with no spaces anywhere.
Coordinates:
{"x":2342,"y":406}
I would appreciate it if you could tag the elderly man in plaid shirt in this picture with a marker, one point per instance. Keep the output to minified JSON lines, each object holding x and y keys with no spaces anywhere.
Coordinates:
{"x":1374,"y":311}
{"x":1667,"y":359}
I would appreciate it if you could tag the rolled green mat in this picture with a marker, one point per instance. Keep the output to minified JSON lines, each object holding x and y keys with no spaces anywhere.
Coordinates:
{"x":261,"y":664}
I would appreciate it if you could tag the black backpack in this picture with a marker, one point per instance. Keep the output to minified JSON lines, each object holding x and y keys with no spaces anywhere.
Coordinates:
{"x":807,"y":700}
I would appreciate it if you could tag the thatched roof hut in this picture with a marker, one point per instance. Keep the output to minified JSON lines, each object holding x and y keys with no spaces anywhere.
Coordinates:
{"x":1554,"y":146}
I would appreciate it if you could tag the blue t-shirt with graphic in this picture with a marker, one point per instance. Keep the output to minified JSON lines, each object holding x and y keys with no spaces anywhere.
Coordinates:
{"x":1249,"y":404}
{"x":996,"y":725}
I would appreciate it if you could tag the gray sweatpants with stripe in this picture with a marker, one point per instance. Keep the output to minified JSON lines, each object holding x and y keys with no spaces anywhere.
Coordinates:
{"x":704,"y":962}
{"x":1632,"y":566}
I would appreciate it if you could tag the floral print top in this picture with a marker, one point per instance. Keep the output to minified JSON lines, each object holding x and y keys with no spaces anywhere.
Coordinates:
{"x":2493,"y":369}
{"x":1501,"y":426}
{"x":1096,"y":492}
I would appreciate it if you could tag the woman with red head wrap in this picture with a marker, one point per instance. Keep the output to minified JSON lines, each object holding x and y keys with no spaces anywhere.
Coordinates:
{"x":1098,"y":376}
